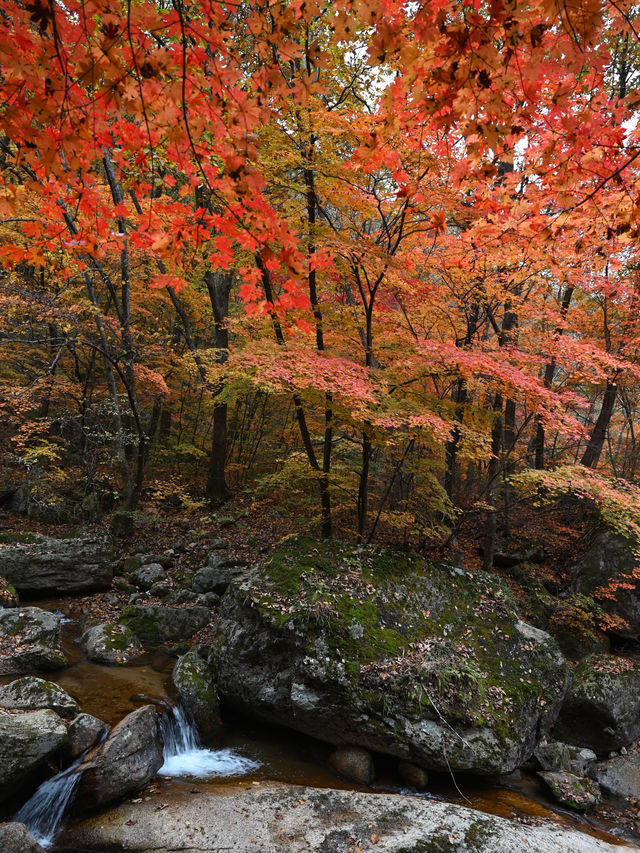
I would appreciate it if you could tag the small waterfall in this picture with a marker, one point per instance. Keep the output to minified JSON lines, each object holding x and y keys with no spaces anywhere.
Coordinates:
{"x":42,"y":814}
{"x":185,"y":756}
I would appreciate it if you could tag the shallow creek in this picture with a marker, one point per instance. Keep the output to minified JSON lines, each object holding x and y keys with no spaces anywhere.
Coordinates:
{"x":274,"y":753}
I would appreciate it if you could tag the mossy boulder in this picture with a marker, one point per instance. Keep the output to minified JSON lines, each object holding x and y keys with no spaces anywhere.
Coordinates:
{"x":29,"y":641}
{"x":26,"y":741}
{"x":572,"y":791}
{"x":111,"y":644}
{"x":602,"y":709}
{"x":356,"y":646}
{"x":156,"y":624}
{"x":193,"y":679}
{"x":30,"y":693}
{"x":147,"y":575}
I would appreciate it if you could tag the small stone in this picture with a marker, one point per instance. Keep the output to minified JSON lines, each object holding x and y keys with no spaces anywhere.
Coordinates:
{"x":147,"y":575}
{"x":352,"y":762}
{"x":572,"y":791}
{"x":413,"y":775}
{"x":218,"y":544}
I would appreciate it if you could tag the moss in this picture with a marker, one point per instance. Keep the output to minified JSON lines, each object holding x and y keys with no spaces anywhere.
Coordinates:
{"x":19,"y":537}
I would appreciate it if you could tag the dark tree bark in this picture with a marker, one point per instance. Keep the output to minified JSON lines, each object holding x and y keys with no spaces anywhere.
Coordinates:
{"x":595,"y":444}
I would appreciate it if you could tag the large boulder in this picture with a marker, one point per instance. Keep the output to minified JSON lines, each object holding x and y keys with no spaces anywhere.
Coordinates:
{"x":110,"y":644}
{"x":193,"y":679}
{"x":610,"y":562}
{"x":147,"y":575}
{"x":127,"y":760}
{"x":30,"y":693}
{"x":215,"y":578}
{"x":42,"y":566}
{"x":602,"y":709}
{"x":620,"y":775}
{"x":155,"y":624}
{"x":29,"y":641}
{"x":281,"y":818}
{"x":15,"y":838}
{"x":570,"y":790}
{"x":385,"y":651}
{"x":26,"y":741}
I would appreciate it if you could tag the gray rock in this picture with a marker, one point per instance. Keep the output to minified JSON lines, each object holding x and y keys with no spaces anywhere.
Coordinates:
{"x":353,"y":763}
{"x":209,"y":599}
{"x":553,"y":755}
{"x":161,"y":590}
{"x":164,"y":560}
{"x":29,"y":641}
{"x":110,"y":644}
{"x":581,"y":760}
{"x":444,"y":674}
{"x":148,"y":574}
{"x":214,"y":579}
{"x":193,"y":679}
{"x":84,"y":732}
{"x":218,"y":544}
{"x":572,"y":791}
{"x":127,"y":760}
{"x":602,"y":709}
{"x":30,"y":693}
{"x":610,"y":557}
{"x":182,"y":596}
{"x":157,"y":624}
{"x":45,"y":566}
{"x":26,"y":741}
{"x":15,"y":838}
{"x":262,"y":818}
{"x":619,"y":776}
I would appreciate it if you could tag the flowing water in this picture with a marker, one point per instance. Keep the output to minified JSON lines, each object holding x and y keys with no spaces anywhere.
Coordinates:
{"x":43,"y":813}
{"x":185,"y":757}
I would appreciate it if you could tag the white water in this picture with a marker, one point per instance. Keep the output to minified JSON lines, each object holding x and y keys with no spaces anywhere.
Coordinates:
{"x":185,"y":757}
{"x":43,"y":813}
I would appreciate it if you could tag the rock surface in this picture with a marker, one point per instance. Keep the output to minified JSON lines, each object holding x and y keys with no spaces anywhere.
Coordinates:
{"x":26,"y":741}
{"x":84,"y":732}
{"x":128,"y":759}
{"x":44,"y":566}
{"x":602,"y":709}
{"x":110,"y":644}
{"x":14,"y":838}
{"x":611,"y":557}
{"x":352,"y":762}
{"x":619,"y":776}
{"x":29,"y":641}
{"x":148,"y":574}
{"x":30,"y":693}
{"x":277,"y":818}
{"x":571,"y":790}
{"x":375,"y":649}
{"x":156,"y":624}
{"x":193,"y":679}
{"x":215,"y":578}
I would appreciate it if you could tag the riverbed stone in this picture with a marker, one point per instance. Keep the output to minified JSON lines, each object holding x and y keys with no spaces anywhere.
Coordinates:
{"x":323,"y":820}
{"x":43,"y":566}
{"x":111,"y":644}
{"x":386,"y":651}
{"x":620,"y":775}
{"x":155,"y":624}
{"x":352,"y":762}
{"x":30,"y":693}
{"x":602,"y":709}
{"x":29,"y":641}
{"x":16,"y":838}
{"x":127,"y":760}
{"x":84,"y":732}
{"x":572,"y":791}
{"x":611,"y":557}
{"x":147,"y":575}
{"x":26,"y":741}
{"x":193,"y":679}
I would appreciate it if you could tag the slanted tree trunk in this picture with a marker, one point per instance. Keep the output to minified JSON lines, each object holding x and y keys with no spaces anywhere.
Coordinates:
{"x":595,"y":444}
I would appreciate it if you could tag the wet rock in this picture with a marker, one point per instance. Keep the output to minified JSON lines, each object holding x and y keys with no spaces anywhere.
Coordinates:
{"x":84,"y":732}
{"x":15,"y":838}
{"x":353,"y":763}
{"x":214,"y":579}
{"x":29,"y":641}
{"x":147,"y":575}
{"x":127,"y":760}
{"x":30,"y":693}
{"x":553,"y":755}
{"x":390,"y":653}
{"x":572,"y":791}
{"x":45,"y":566}
{"x":193,"y":679}
{"x":413,"y":775}
{"x":324,"y":820}
{"x":157,"y":624}
{"x":611,"y":557}
{"x":111,"y":644}
{"x":8,"y":594}
{"x":26,"y":741}
{"x":619,"y":776}
{"x":602,"y":709}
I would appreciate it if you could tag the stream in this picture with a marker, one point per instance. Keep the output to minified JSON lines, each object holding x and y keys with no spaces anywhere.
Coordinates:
{"x":250,"y":753}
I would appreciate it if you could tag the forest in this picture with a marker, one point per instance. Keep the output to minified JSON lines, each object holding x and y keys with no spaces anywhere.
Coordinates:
{"x":353,"y":284}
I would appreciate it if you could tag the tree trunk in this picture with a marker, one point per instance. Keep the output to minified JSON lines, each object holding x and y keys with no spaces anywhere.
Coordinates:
{"x":595,"y":444}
